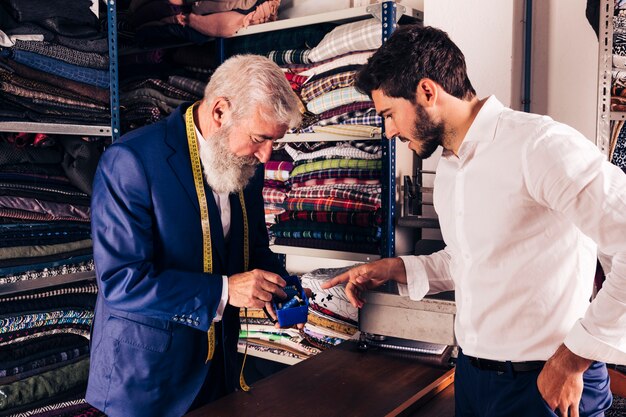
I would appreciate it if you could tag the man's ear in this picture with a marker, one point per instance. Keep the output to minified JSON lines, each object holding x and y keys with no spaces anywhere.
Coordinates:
{"x":427,"y":92}
{"x":220,"y":110}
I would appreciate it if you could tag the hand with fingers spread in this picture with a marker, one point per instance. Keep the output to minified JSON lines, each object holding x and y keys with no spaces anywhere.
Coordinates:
{"x":368,"y":276}
{"x":561,"y":381}
{"x":255,"y":289}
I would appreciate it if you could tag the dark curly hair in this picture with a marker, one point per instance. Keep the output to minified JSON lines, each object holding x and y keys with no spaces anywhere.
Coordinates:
{"x":411,"y":54}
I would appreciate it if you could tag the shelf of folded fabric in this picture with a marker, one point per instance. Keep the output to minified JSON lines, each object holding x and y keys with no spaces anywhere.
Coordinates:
{"x":52,"y":281}
{"x":256,"y":351}
{"x":55,"y":128}
{"x":339,"y":16}
{"x":324,"y":253}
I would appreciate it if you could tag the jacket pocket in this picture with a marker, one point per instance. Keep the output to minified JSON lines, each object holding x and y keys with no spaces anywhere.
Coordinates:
{"x":138,"y":335}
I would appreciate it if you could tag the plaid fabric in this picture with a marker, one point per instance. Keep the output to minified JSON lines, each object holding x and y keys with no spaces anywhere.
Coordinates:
{"x":334,"y":99}
{"x":358,"y":131}
{"x":341,"y":150}
{"x":329,"y":231}
{"x":272,"y":195}
{"x":279,"y":165}
{"x":363,"y":188}
{"x":328,"y":204}
{"x":345,"y":194}
{"x":327,"y":181}
{"x":364,"y":174}
{"x":279,"y":185}
{"x":290,"y":56}
{"x":295,"y":80}
{"x":361,"y":105}
{"x":333,"y":82}
{"x":357,"y":36}
{"x":337,"y":163}
{"x":357,"y":218}
{"x":189,"y":85}
{"x":357,"y":58}
{"x":373,"y":147}
{"x":278,"y":175}
{"x":359,"y":117}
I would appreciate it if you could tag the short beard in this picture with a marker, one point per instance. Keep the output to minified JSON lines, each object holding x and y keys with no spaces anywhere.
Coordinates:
{"x":429,"y":133}
{"x":224,"y":171}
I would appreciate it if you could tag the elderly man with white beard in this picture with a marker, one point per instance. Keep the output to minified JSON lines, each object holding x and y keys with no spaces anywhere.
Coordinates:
{"x":180,"y":244}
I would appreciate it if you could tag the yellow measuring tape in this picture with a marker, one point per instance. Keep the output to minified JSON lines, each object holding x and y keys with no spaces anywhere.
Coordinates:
{"x":207,"y":250}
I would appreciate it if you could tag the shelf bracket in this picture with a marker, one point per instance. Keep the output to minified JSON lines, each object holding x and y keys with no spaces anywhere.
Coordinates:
{"x":380,"y":10}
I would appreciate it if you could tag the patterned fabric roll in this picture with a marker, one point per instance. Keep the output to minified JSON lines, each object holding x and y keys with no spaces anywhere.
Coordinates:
{"x":317,"y":88}
{"x":365,"y":218}
{"x":372,"y":164}
{"x":328,"y":204}
{"x":336,"y":98}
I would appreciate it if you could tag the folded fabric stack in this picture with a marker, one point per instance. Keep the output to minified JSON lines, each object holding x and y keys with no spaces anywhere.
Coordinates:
{"x":275,"y":187}
{"x":54,"y":65}
{"x":617,"y":151}
{"x":327,"y":87}
{"x":44,"y":351}
{"x":331,"y":320}
{"x":335,"y":197}
{"x":44,"y":206}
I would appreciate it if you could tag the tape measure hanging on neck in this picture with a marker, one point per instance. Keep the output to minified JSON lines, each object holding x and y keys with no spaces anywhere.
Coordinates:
{"x":207,"y":249}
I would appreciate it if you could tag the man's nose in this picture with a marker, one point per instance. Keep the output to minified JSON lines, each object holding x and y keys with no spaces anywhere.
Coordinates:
{"x":264,"y":152}
{"x":390,"y":129}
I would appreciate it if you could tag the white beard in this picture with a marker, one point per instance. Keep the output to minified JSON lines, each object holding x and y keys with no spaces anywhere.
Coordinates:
{"x":225,"y":172}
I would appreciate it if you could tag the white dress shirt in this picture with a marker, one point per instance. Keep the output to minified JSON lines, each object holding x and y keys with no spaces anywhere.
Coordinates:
{"x":223,"y":205}
{"x":521,"y":210}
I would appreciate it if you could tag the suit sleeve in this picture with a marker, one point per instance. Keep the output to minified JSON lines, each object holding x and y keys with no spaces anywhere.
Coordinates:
{"x":123,"y":236}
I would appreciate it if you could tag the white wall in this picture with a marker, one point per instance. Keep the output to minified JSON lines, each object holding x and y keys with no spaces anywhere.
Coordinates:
{"x":565,"y":64}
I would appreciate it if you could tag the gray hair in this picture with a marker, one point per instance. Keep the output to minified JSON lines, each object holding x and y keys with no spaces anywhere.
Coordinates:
{"x":252,"y":82}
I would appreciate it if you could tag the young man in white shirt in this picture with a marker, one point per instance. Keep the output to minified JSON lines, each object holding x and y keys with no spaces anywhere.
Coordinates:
{"x":524,"y":204}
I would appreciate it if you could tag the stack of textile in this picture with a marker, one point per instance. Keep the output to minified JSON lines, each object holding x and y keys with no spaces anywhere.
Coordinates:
{"x":335,"y":197}
{"x":44,"y":351}
{"x":45,"y":236}
{"x":44,"y":206}
{"x":53,"y":63}
{"x":331,"y":320}
{"x":277,"y":171}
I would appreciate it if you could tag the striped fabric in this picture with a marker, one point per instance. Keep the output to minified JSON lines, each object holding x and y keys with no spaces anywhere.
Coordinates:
{"x":359,"y":117}
{"x":337,"y":163}
{"x":342,"y":150}
{"x":358,"y":58}
{"x":290,"y":56}
{"x":375,"y":188}
{"x":333,"y":82}
{"x":365,"y":218}
{"x":361,"y":105}
{"x":328,"y":204}
{"x":49,"y":409}
{"x":357,"y":36}
{"x":373,"y":147}
{"x":372,"y":198}
{"x":335,"y":98}
{"x":327,"y":181}
{"x":357,"y":131}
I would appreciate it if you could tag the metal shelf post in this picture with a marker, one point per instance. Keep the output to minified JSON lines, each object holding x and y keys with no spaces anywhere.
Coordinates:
{"x":113,"y":73}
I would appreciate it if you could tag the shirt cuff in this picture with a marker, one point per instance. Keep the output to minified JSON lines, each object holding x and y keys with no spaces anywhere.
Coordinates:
{"x":587,"y":346}
{"x":220,"y":308}
{"x":417,"y":280}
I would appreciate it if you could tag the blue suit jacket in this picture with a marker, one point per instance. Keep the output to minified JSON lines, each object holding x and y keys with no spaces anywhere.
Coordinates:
{"x":155,"y":303}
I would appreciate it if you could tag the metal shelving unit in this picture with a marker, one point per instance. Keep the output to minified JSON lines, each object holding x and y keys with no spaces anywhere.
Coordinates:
{"x":55,"y":128}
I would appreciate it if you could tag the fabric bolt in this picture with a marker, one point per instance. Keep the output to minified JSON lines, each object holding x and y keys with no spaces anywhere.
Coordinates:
{"x":10,"y":233}
{"x":165,"y":103}
{"x":32,"y":366}
{"x":339,"y":180}
{"x":316,"y":88}
{"x":333,"y":245}
{"x":47,"y":270}
{"x":189,"y":85}
{"x":348,"y":108}
{"x":373,"y":147}
{"x":80,"y":161}
{"x":26,"y":321}
{"x":336,"y":98}
{"x":41,"y":238}
{"x":97,"y":78}
{"x":82,"y":288}
{"x":47,"y":410}
{"x":311,"y":146}
{"x":357,"y":131}
{"x":330,"y":231}
{"x":23,"y":306}
{"x":46,"y":385}
{"x":333,"y":71}
{"x":162,"y":87}
{"x":296,"y":81}
{"x":10,"y":154}
{"x":65,"y":54}
{"x":278,"y":185}
{"x":28,"y":173}
{"x":65,"y":27}
{"x":33,"y":251}
{"x":363,"y":219}
{"x":36,"y":332}
{"x":357,"y":58}
{"x":309,"y":167}
{"x":10,"y":88}
{"x":45,"y":207}
{"x":362,"y":188}
{"x":355,"y":173}
{"x":328,"y":204}
{"x":99,"y":95}
{"x":371,"y":198}
{"x":76,"y":11}
{"x":340,"y":150}
{"x":271,"y":195}
{"x":363,"y":118}
{"x":279,"y":165}
{"x":298,"y":38}
{"x":357,"y":36}
{"x":290,"y":56}
{"x":98,"y":44}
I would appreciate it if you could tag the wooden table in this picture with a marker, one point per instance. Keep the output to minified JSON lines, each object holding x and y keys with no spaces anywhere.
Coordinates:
{"x":341,"y":381}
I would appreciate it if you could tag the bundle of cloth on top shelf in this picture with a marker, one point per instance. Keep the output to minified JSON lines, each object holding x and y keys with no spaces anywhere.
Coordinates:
{"x":617,"y":147}
{"x":54,"y":65}
{"x":45,"y":187}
